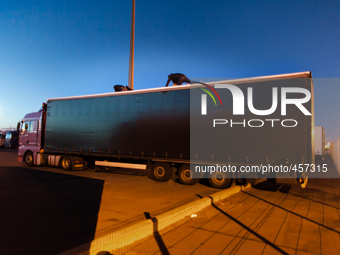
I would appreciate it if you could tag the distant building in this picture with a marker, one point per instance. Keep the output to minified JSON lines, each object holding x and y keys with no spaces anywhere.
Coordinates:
{"x":334,"y":149}
{"x":319,"y":141}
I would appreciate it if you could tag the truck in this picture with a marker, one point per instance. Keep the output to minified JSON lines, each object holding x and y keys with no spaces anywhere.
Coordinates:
{"x":11,"y":139}
{"x":319,"y":137}
{"x":2,"y":138}
{"x":151,"y":130}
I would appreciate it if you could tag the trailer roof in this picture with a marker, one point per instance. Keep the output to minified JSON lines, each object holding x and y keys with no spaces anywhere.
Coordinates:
{"x":307,"y":74}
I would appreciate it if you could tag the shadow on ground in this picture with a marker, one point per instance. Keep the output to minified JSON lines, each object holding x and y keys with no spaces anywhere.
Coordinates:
{"x":271,"y":185}
{"x":46,"y":213}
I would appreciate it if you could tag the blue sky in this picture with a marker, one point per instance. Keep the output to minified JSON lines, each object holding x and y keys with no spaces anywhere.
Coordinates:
{"x":62,"y":48}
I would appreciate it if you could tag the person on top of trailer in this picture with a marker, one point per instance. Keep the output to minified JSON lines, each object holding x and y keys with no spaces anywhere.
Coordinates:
{"x":118,"y":88}
{"x":177,"y":79}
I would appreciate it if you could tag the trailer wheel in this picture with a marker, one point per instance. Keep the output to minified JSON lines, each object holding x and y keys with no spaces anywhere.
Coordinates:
{"x":219,"y":180}
{"x":29,"y":158}
{"x":149,"y":169}
{"x":184,"y":175}
{"x":66,"y":163}
{"x":161,"y":172}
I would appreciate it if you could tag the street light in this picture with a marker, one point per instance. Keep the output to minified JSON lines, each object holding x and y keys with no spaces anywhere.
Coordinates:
{"x":132,"y":46}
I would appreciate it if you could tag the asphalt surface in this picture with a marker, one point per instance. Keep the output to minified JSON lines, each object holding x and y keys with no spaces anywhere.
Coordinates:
{"x":46,"y":213}
{"x":46,"y":210}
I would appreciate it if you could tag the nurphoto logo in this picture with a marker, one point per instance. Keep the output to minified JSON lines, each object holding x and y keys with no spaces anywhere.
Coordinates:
{"x":238,"y":104}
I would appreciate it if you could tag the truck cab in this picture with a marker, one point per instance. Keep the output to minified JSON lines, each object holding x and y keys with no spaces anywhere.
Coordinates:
{"x":30,"y":137}
{"x":11,"y":139}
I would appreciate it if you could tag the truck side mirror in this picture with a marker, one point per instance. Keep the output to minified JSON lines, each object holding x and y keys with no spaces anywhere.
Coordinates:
{"x":26,"y":127}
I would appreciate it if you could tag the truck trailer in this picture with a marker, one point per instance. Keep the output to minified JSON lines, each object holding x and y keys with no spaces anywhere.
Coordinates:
{"x":152,"y":130}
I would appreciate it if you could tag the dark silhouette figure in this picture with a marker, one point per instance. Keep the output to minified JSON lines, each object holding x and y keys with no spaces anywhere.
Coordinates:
{"x":177,"y":79}
{"x":121,"y":88}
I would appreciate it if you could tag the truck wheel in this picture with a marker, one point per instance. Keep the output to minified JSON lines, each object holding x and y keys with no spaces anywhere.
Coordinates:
{"x":66,"y":163}
{"x":29,"y":158}
{"x":161,"y":172}
{"x":219,"y":180}
{"x":184,"y":175}
{"x":149,"y":171}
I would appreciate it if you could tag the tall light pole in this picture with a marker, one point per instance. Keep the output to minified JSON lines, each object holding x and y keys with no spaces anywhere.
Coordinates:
{"x":132,"y":46}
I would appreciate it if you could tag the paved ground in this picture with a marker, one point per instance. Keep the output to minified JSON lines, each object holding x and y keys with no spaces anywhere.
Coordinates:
{"x":92,"y":202}
{"x":269,"y":218}
{"x":46,"y":213}
{"x":126,"y":195}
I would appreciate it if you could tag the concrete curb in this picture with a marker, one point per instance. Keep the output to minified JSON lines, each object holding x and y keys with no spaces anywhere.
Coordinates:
{"x":123,"y":237}
{"x":168,"y":218}
{"x":126,"y":236}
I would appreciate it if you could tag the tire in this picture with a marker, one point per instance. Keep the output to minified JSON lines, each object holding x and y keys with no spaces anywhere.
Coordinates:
{"x":184,"y":175}
{"x":85,"y":165}
{"x":29,"y":158}
{"x":66,"y":163}
{"x":161,"y":172}
{"x":149,"y":171}
{"x":219,"y":180}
